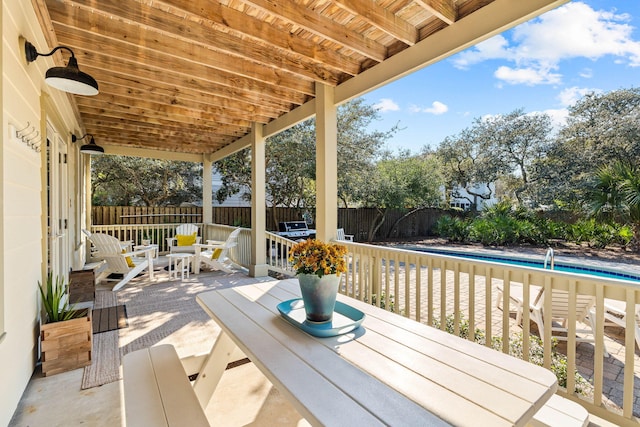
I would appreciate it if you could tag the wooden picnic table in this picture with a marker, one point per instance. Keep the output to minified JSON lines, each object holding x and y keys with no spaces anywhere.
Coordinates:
{"x":389,"y":371}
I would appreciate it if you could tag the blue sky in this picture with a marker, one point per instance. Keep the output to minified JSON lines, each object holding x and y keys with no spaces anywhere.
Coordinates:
{"x":544,"y":65}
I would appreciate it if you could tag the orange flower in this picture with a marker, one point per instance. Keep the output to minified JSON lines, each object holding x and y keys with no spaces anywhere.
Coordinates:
{"x":316,"y":257}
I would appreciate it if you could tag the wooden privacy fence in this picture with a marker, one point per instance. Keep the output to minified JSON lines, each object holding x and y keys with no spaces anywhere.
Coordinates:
{"x":356,"y":221}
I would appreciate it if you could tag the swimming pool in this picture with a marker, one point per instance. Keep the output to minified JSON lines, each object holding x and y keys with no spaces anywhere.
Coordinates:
{"x":525,"y":262}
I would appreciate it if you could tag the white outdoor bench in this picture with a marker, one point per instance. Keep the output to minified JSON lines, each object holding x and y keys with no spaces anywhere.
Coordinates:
{"x":560,"y":412}
{"x":157,"y":391}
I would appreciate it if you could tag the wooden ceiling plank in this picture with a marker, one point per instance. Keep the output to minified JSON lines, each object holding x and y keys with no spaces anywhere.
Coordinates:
{"x":132,"y":142}
{"x":125,"y":133}
{"x":158,"y":110}
{"x":198,"y":87}
{"x":122,"y":124}
{"x":382,"y":19}
{"x":222,"y":104}
{"x":196,"y":43}
{"x":95,"y":115}
{"x":443,"y":9}
{"x":159,"y":131}
{"x":243,"y":87}
{"x":107,"y":92}
{"x":322,"y":26}
{"x":256,"y":30}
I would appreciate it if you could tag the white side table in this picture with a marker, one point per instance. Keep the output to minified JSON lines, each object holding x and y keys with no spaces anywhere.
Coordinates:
{"x":152,"y":246}
{"x":179,"y":263}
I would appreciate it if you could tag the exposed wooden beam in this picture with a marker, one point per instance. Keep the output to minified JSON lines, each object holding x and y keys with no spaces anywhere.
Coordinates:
{"x":151,"y":153}
{"x":382,"y":19}
{"x":443,"y":9}
{"x":315,"y":23}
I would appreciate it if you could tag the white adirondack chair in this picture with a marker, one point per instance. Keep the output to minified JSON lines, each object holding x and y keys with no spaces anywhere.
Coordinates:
{"x":127,"y":245}
{"x":216,"y":256}
{"x":121,"y":266}
{"x":183,"y":232}
{"x":341,"y":236}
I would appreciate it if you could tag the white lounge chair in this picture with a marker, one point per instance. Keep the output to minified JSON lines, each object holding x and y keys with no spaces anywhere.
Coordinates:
{"x":341,"y":236}
{"x":560,"y":308}
{"x":615,"y":313}
{"x":216,"y":256}
{"x":121,"y":266}
{"x":184,"y":240}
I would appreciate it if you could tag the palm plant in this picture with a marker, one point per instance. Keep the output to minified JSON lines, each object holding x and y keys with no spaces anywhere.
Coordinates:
{"x":616,"y":195}
{"x":54,"y":303}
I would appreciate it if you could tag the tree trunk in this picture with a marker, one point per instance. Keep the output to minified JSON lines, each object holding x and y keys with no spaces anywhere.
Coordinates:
{"x":402,"y":218}
{"x":376,"y":224}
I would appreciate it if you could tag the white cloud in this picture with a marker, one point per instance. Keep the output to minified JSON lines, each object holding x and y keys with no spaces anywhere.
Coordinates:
{"x":571,"y":31}
{"x":494,"y":48}
{"x":586,"y":73}
{"x":527,"y":76}
{"x":436,"y":108}
{"x":570,"y":95}
{"x":386,"y":104}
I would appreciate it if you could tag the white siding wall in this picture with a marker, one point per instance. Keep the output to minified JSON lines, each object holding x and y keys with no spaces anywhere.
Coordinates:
{"x":22,"y":211}
{"x":233,"y":201}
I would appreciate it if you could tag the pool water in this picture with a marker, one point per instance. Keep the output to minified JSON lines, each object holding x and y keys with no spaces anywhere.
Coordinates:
{"x":558,"y":266}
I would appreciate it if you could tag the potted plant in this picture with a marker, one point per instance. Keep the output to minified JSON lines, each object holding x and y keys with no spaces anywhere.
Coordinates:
{"x":318,"y":266}
{"x":146,"y":238}
{"x":66,"y":335}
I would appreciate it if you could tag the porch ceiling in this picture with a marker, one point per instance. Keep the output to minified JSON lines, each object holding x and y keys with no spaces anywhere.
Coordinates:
{"x":191,"y":76}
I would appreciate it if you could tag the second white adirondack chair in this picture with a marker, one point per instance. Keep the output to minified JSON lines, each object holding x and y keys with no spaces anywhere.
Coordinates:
{"x":216,"y":256}
{"x":181,"y":242}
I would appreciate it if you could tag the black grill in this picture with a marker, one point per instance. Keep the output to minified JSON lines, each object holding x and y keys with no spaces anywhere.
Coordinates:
{"x":295,"y":230}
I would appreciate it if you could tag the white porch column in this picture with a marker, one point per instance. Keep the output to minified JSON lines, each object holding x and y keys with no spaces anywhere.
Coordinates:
{"x":207,"y":190}
{"x":326,"y":163}
{"x":258,"y":268}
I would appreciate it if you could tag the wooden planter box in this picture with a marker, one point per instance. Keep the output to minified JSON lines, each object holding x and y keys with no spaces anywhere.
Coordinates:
{"x":66,"y":345}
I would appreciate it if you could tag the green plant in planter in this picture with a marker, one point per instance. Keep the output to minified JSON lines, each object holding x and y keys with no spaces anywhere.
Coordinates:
{"x":55,"y":305}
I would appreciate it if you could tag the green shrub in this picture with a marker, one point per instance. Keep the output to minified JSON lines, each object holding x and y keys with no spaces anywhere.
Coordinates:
{"x":453,"y":228}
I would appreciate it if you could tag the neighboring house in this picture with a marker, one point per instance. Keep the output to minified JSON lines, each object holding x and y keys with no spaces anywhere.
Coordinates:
{"x":461,"y":198}
{"x":234,"y":201}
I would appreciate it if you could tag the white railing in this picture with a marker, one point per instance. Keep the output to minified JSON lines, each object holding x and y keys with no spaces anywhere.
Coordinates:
{"x":278,"y":249}
{"x":434,"y":289}
{"x":439,"y":289}
{"x":157,"y":233}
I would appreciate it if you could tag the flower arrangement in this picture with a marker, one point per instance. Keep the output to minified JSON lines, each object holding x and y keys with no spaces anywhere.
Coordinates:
{"x":316,"y":257}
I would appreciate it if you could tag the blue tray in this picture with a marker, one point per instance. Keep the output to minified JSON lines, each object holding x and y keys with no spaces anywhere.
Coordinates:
{"x":345,"y":318}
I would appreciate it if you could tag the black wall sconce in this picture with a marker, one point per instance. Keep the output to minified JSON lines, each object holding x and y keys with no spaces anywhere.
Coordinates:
{"x":70,"y":78}
{"x":91,"y":147}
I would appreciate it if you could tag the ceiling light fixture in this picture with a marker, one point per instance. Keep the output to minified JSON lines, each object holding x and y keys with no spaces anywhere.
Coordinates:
{"x":70,"y":78}
{"x":91,"y":147}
